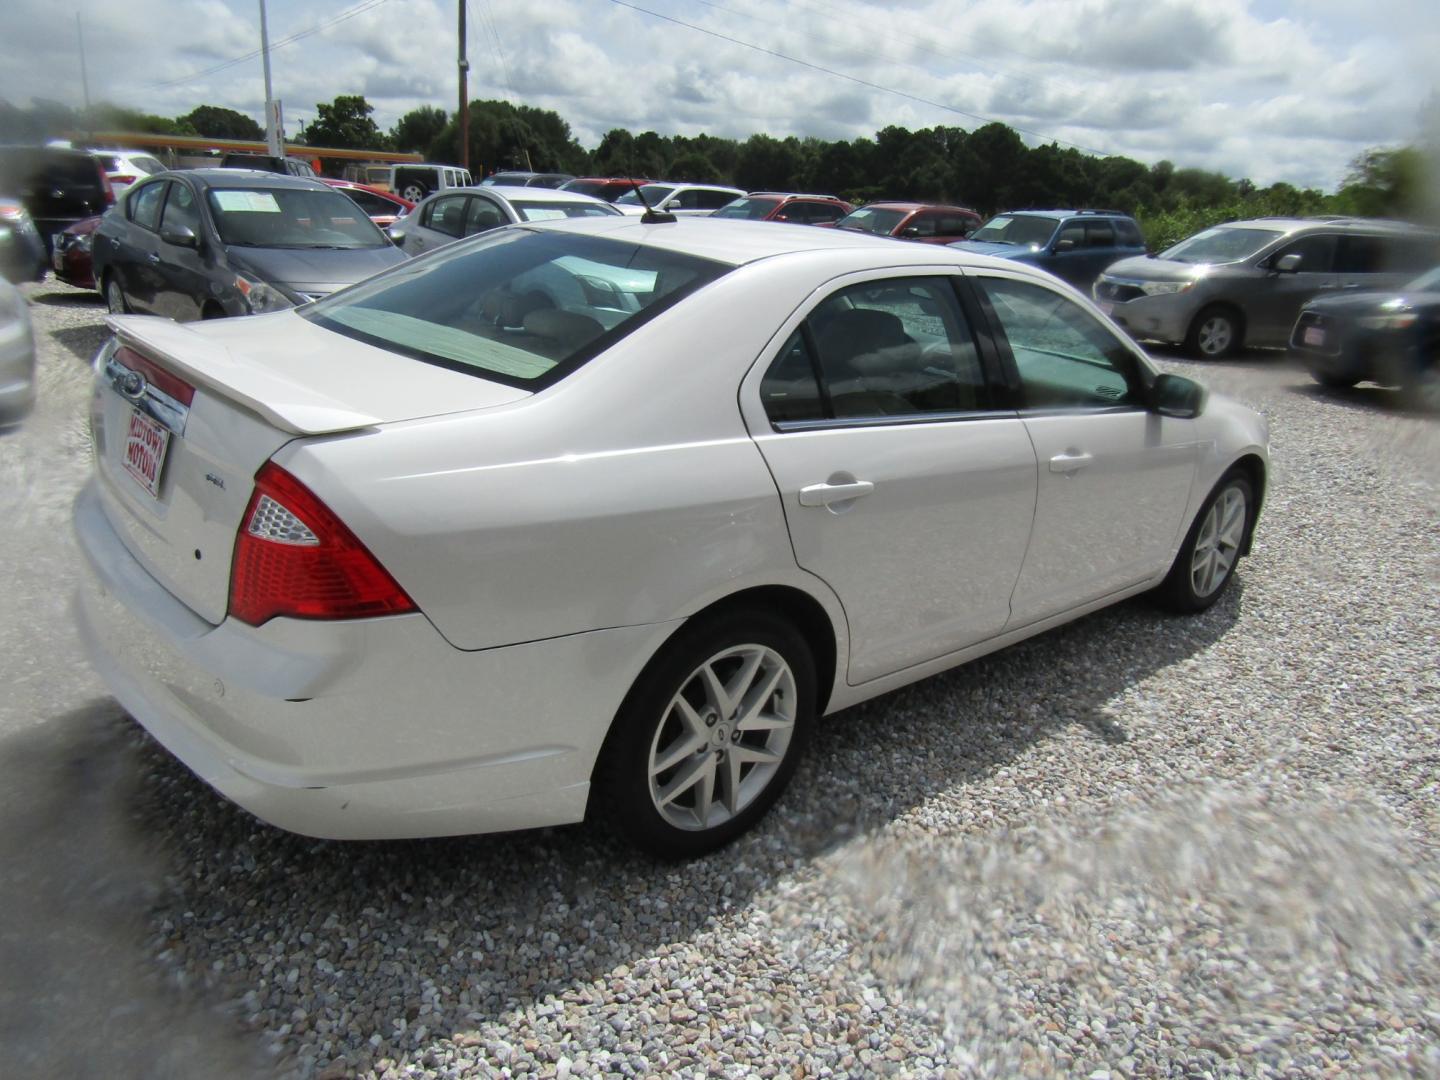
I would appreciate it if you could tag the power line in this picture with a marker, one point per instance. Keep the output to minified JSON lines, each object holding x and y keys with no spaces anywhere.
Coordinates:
{"x":325,"y":24}
{"x":853,"y":78}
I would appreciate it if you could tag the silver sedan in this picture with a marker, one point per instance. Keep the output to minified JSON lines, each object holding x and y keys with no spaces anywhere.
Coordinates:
{"x":456,"y":213}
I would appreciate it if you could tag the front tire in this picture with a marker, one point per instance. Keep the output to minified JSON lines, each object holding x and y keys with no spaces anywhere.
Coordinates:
{"x":1215,"y":334}
{"x":1207,"y":559}
{"x":709,"y":735}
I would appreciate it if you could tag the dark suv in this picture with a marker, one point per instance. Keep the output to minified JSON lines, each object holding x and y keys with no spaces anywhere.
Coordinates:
{"x":266,"y":163}
{"x":788,"y":206}
{"x":58,"y":187}
{"x":1074,"y":245}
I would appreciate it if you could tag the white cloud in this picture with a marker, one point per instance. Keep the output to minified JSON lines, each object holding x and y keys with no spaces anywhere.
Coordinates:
{"x":1272,"y":89}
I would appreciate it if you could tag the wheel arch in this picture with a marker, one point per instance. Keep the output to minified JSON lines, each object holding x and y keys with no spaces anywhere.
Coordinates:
{"x":1252,"y":467}
{"x":1228,"y":307}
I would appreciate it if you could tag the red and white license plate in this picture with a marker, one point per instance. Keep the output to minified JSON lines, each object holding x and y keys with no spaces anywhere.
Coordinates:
{"x":145,"y":446}
{"x":1314,"y":335}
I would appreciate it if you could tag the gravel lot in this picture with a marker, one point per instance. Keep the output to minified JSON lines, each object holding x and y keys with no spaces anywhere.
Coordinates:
{"x":1135,"y":846}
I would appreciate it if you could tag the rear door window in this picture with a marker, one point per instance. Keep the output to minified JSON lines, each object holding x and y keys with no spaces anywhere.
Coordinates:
{"x":1099,"y":234}
{"x":482,"y":215}
{"x":144,"y":204}
{"x":892,"y":348}
{"x":446,"y":215}
{"x":1129,"y":233}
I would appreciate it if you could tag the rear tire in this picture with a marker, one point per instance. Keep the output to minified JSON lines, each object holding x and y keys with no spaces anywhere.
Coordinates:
{"x":709,"y":735}
{"x":1215,"y":333}
{"x":1207,"y":559}
{"x":414,"y":192}
{"x":115,"y":296}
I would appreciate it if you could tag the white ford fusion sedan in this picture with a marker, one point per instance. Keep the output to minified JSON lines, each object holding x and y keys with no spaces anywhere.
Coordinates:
{"x":601,"y":515}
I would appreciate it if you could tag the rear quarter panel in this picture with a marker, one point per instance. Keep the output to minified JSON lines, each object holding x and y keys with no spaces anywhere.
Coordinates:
{"x":628,"y":493}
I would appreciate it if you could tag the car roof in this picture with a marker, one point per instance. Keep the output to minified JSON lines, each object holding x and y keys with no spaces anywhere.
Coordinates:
{"x":1329,"y":223}
{"x":736,"y":241}
{"x":1058,"y":214}
{"x":247,"y":178}
{"x":529,"y":194}
{"x":685,"y":186}
{"x":888,"y":204}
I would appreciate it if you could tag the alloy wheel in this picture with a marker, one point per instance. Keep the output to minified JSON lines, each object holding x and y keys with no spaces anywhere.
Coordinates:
{"x":722,"y":738}
{"x":115,"y":298}
{"x":1218,"y":544}
{"x":1216,"y":335}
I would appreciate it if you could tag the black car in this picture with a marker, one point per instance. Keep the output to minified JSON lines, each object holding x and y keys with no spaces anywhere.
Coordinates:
{"x":210,"y":242}
{"x":58,"y":187}
{"x":1390,"y":337}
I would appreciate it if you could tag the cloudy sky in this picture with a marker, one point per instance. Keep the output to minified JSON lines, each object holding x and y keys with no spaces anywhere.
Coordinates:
{"x":1270,"y":89}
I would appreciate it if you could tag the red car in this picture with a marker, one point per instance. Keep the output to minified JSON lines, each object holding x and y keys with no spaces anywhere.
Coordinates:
{"x":381,"y":207}
{"x":925,"y":222}
{"x":787,"y":206}
{"x":608,"y":188}
{"x":70,"y":256}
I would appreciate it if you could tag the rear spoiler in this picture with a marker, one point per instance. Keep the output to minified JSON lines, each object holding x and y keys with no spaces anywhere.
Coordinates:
{"x":286,"y":404}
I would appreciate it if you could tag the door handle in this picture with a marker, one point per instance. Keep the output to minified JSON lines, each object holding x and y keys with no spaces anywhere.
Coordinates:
{"x":1069,"y":462}
{"x":826,"y":494}
{"x":154,"y":258}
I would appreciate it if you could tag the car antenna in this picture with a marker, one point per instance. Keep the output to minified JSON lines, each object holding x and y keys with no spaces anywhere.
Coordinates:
{"x":651,"y":215}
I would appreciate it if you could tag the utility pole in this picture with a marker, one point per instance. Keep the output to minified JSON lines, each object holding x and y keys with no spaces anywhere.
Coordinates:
{"x":272,"y":119}
{"x":84,"y":78}
{"x":464,"y":113}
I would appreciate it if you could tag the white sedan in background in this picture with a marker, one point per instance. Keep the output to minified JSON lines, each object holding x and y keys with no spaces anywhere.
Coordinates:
{"x":599,"y":516}
{"x":456,"y":213}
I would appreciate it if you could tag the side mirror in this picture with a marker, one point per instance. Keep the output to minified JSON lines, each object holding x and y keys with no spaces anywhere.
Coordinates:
{"x":1177,"y":396}
{"x":395,"y":233}
{"x":1064,"y":245}
{"x":910,"y":230}
{"x":180,"y":236}
{"x":1288,"y":264}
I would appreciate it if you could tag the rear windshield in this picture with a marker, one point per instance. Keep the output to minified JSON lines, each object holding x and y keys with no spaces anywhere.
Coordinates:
{"x":291,"y":218}
{"x":753,"y":209}
{"x":521,"y":306}
{"x":550,"y":209}
{"x":147,"y":164}
{"x":654,"y":194}
{"x":608,"y":190}
{"x":872,"y":220}
{"x":1017,"y":229}
{"x":1220,"y":245}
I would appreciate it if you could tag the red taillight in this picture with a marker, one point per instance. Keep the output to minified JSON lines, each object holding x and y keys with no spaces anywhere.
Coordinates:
{"x":294,"y":557}
{"x":119,"y":180}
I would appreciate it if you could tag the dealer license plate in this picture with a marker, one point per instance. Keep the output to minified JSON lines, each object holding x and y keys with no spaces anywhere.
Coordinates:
{"x":1314,"y":335}
{"x":145,"y":446}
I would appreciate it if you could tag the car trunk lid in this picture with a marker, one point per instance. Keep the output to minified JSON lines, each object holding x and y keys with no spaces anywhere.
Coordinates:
{"x":184,"y":416}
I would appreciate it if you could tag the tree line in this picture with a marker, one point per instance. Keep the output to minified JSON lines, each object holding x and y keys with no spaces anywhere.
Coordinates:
{"x":988,"y":169}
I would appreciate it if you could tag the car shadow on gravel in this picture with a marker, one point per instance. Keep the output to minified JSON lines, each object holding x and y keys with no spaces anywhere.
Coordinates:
{"x":387,"y":939}
{"x":1367,"y":397}
{"x":65,"y":296}
{"x":81,"y":994}
{"x":82,"y":342}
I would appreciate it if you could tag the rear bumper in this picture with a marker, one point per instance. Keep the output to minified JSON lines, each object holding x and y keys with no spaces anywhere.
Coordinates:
{"x":367,"y":729}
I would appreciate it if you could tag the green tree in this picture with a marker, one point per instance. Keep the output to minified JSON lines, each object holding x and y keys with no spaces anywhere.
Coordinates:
{"x":417,"y":129}
{"x":221,"y":123}
{"x":346,"y":125}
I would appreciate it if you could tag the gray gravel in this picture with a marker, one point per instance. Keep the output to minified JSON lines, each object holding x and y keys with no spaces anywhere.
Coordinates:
{"x":1136,"y":846}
